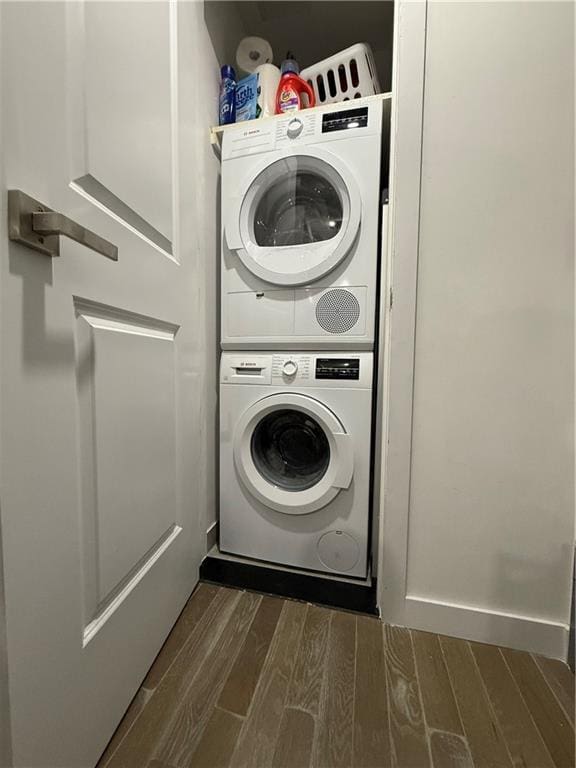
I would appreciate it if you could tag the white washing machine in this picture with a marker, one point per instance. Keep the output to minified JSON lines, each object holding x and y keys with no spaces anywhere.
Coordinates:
{"x":300,"y":214}
{"x":295,"y":458}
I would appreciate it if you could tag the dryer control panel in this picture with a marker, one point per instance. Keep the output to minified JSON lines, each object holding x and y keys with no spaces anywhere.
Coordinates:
{"x":345,"y":120}
{"x":321,"y":125}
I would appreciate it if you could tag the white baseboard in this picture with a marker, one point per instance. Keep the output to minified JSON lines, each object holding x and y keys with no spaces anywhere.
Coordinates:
{"x":509,"y":630}
{"x":212,"y":536}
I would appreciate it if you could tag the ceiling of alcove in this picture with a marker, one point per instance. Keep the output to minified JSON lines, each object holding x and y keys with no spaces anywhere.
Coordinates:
{"x":315,"y":29}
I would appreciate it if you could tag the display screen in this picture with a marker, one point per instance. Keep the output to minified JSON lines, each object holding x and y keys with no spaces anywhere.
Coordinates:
{"x":337,"y":368}
{"x":345,"y":120}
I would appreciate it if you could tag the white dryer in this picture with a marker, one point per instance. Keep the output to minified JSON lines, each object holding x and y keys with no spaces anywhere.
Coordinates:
{"x":295,"y":458}
{"x":300,"y":215}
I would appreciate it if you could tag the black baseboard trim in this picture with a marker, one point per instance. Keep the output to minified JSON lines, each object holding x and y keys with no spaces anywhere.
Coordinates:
{"x":360,"y":598}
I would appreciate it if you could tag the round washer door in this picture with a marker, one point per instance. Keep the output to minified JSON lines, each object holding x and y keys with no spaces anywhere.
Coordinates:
{"x":296,"y":218}
{"x":292,"y":453}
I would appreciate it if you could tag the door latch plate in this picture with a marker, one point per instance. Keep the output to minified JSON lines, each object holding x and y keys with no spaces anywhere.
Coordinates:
{"x":20,"y":209}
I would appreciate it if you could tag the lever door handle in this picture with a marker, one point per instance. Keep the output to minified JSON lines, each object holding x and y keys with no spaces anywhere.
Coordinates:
{"x":39,"y":227}
{"x":52,"y":223}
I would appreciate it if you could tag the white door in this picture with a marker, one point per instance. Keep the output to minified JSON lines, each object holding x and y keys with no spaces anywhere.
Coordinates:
{"x":293,"y":219}
{"x":292,"y":453}
{"x":99,"y":389}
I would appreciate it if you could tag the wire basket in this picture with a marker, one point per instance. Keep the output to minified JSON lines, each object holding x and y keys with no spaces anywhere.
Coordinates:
{"x":349,"y":74}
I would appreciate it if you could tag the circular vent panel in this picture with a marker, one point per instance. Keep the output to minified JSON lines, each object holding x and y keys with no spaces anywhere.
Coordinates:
{"x":338,"y":551}
{"x":337,"y":311}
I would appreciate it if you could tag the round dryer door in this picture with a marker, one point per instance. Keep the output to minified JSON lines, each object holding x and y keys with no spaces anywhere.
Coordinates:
{"x":292,"y":453}
{"x":297,"y":217}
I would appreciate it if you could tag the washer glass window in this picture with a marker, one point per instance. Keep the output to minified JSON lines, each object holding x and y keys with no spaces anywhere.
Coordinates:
{"x":290,"y":450}
{"x":301,"y":206}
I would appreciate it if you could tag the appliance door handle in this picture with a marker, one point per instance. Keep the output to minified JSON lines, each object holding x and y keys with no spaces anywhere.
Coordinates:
{"x":35,"y":225}
{"x":346,"y":460}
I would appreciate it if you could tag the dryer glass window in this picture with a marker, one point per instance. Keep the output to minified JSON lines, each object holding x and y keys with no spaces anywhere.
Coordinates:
{"x":290,"y":450}
{"x":300,"y":206}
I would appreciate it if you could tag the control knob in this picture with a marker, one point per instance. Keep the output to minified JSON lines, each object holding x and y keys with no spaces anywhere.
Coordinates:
{"x":290,"y":368}
{"x":294,"y":129}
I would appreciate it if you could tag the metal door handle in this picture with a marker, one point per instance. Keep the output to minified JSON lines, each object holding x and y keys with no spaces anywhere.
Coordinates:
{"x":39,"y":227}
{"x":51,"y":223}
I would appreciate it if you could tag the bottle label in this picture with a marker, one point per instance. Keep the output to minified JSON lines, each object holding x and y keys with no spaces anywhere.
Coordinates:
{"x":289,"y":100}
{"x":247,"y":98}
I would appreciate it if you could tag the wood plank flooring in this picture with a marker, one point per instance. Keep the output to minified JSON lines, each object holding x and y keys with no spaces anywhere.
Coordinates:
{"x":251,"y":681}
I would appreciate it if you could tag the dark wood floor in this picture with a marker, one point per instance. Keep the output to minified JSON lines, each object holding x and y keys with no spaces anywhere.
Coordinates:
{"x":260,"y":682}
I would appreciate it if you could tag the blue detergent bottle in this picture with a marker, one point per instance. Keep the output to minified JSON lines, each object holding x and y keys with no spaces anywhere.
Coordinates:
{"x":227,"y":95}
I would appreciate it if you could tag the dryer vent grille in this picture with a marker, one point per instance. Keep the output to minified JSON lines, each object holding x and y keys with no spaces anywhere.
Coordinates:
{"x":337,"y":311}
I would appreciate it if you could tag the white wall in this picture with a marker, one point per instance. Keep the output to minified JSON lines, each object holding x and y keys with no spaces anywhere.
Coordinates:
{"x":225,"y":24}
{"x":491,"y":510}
{"x":315,"y":29}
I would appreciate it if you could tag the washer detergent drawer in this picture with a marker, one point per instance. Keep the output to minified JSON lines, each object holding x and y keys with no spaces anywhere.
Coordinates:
{"x":262,"y":313}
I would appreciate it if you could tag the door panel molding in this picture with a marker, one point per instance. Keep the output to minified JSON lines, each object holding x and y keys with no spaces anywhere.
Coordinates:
{"x":111,"y":126}
{"x":108,"y":607}
{"x":91,"y":189}
{"x":125,"y":375}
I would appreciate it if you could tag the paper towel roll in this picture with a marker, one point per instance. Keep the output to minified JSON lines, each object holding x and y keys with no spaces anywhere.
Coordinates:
{"x":268,"y":79}
{"x":252,"y":52}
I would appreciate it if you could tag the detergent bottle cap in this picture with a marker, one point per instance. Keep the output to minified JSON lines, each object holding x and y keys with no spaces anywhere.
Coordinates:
{"x":228,"y":71}
{"x":290,"y":65}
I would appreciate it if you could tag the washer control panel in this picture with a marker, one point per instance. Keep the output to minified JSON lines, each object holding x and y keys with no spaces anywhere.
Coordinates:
{"x":289,"y":368}
{"x":338,"y":368}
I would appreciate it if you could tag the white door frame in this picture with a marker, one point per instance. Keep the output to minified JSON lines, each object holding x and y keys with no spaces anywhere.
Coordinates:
{"x":398,"y":310}
{"x":396,"y":378}
{"x":5,"y":718}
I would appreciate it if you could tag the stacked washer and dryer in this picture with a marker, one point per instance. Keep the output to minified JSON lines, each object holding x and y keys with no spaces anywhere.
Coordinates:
{"x":300,"y":256}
